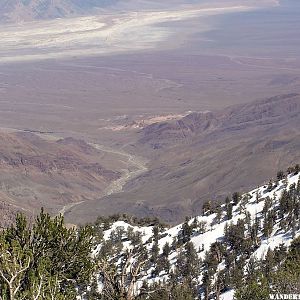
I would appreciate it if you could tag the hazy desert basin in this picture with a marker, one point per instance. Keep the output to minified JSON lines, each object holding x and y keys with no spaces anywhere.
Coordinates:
{"x":99,"y":77}
{"x":109,"y":33}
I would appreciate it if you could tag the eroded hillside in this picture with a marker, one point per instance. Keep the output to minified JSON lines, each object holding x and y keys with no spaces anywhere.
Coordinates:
{"x":36,"y":173}
{"x":207,"y":155}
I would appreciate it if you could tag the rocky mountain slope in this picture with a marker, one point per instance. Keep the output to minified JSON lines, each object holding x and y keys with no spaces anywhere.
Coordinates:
{"x":207,"y":155}
{"x":260,"y":114}
{"x":39,"y":173}
{"x":220,"y":250}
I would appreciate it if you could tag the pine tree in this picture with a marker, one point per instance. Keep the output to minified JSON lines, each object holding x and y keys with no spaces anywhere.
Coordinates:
{"x":154,"y":252}
{"x":46,"y":259}
{"x":219,"y":214}
{"x":15,"y":261}
{"x":236,"y":198}
{"x":269,"y":263}
{"x":221,"y":283}
{"x":229,"y":208}
{"x":268,"y":223}
{"x":185,"y":233}
{"x":280,"y":253}
{"x":252,"y":269}
{"x":255,"y":228}
{"x":194,"y":224}
{"x":202,"y":227}
{"x":206,"y":285}
{"x":166,"y":250}
{"x":192,"y":264}
{"x":286,"y":279}
{"x":280,"y":175}
{"x":235,"y":236}
{"x":255,"y":290}
{"x":237,"y":275}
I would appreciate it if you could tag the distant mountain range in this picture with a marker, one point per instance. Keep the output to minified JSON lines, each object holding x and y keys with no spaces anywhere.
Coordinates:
{"x":28,"y":10}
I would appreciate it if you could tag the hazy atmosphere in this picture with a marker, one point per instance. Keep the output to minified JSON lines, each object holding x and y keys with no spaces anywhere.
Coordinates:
{"x":104,"y":73}
{"x":149,"y":150}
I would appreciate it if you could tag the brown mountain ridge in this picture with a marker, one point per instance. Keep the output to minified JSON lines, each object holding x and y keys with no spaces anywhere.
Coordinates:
{"x":207,"y":155}
{"x":39,"y":173}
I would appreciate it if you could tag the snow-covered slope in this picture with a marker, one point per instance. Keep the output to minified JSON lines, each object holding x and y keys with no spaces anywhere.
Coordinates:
{"x":209,"y":228}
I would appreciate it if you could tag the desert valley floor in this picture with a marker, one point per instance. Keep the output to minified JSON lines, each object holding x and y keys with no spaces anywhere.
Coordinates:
{"x":117,"y":118}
